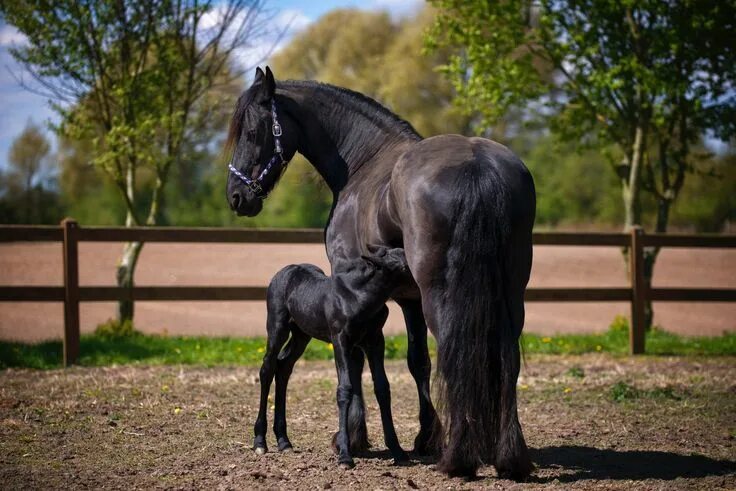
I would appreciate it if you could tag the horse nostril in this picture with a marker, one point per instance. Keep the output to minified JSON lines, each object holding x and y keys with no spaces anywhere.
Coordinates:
{"x":235,"y":201}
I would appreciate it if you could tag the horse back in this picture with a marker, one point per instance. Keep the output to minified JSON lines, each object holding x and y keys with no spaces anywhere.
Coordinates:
{"x":433,"y":184}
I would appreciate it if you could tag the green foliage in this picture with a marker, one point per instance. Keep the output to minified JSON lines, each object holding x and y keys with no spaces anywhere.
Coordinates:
{"x":572,"y":187}
{"x":576,"y":372}
{"x":648,"y":78}
{"x":26,"y":187}
{"x":370,"y":53}
{"x":383,"y":58}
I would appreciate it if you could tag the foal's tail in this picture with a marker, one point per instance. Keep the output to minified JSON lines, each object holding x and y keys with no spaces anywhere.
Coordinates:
{"x":476,"y":340}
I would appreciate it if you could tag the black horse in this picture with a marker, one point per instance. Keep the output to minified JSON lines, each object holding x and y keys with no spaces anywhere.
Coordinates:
{"x":463,"y":210}
{"x":303,"y":302}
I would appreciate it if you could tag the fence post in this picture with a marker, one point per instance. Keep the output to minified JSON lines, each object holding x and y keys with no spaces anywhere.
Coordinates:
{"x":638,"y":292}
{"x":71,"y":292}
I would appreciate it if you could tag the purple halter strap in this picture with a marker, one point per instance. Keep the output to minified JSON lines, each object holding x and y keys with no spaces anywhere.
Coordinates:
{"x":256,"y":185}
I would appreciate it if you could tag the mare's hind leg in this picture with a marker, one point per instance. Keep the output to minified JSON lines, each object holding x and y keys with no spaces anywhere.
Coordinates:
{"x":278,"y":333}
{"x":285,"y":364}
{"x":512,"y":455}
{"x":374,"y":345}
{"x":427,"y":441}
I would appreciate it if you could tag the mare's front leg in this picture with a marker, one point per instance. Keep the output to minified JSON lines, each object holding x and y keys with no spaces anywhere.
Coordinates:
{"x":344,"y":395}
{"x":278,"y":333}
{"x":357,"y":429}
{"x":420,"y":366}
{"x":284,"y":366}
{"x":374,"y":345}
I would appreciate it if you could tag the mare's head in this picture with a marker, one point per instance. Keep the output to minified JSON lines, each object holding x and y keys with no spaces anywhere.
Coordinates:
{"x":262,"y":140}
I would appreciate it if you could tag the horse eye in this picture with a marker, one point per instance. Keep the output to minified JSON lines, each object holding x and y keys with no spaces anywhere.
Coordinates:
{"x":251,"y":136}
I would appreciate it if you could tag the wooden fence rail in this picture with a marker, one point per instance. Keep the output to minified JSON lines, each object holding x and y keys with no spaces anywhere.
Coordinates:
{"x":71,"y":294}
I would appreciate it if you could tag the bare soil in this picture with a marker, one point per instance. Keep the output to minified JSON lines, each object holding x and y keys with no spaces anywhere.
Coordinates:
{"x":189,"y":427}
{"x":255,"y":264}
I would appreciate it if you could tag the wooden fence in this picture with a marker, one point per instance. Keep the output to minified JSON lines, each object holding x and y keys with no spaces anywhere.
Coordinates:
{"x":70,"y":234}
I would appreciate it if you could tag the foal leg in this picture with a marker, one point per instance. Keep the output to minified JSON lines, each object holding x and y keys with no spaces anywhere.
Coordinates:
{"x":278,"y":333}
{"x":417,"y":357}
{"x":374,"y":345}
{"x":284,"y":366}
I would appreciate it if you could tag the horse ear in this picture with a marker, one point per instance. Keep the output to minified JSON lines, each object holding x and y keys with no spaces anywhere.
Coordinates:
{"x":259,"y":75}
{"x":270,"y":83}
{"x":375,"y":261}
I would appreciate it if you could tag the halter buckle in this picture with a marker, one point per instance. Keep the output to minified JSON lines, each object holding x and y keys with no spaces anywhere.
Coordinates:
{"x":276,"y":129}
{"x":256,"y":188}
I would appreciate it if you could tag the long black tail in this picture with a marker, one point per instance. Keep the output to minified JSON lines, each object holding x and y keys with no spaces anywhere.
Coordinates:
{"x":476,"y":332}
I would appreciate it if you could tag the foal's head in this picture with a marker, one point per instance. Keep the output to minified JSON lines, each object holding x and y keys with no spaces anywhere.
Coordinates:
{"x":375,"y":272}
{"x":262,"y":139}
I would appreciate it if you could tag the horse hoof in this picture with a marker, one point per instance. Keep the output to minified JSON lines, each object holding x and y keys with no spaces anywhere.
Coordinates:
{"x":401,"y":459}
{"x":260,"y":450}
{"x":346,"y":465}
{"x":286,"y":449}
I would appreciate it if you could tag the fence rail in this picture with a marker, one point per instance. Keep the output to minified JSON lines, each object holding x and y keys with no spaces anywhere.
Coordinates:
{"x":71,"y":294}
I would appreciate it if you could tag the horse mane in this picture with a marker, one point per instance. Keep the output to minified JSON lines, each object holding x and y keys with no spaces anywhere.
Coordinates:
{"x":344,"y":108}
{"x":367,"y":106}
{"x":237,"y":120}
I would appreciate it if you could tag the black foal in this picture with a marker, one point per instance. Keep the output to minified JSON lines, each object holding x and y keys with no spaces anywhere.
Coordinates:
{"x":304,"y":302}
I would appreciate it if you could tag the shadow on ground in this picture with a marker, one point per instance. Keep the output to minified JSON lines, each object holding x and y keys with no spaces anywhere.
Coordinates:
{"x":580,"y":463}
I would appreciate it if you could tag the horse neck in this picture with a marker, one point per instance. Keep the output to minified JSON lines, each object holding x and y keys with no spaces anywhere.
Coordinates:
{"x":342,"y":133}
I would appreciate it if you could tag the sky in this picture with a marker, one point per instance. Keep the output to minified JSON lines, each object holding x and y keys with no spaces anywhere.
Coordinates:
{"x":18,"y":106}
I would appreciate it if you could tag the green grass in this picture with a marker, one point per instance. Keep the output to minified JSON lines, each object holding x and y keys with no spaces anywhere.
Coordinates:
{"x":622,"y":391}
{"x":103,"y":348}
{"x":616,"y":340}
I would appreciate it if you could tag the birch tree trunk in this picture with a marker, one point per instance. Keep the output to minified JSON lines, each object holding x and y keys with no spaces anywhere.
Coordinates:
{"x":131,"y":251}
{"x":631,"y":187}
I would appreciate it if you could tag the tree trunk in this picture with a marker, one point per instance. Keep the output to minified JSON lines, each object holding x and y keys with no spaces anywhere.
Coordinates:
{"x":131,"y":251}
{"x":651,"y":254}
{"x":631,"y":187}
{"x":632,"y":182}
{"x":124,"y":274}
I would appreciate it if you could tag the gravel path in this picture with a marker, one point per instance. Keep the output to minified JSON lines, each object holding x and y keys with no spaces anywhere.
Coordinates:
{"x":187,"y":427}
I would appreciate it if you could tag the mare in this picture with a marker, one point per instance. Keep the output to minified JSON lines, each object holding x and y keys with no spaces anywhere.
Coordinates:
{"x":463,"y":210}
{"x":303,"y":302}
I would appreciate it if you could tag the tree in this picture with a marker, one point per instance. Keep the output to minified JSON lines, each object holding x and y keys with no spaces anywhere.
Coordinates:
{"x":26,"y":182}
{"x":648,"y":78}
{"x":128,"y":76}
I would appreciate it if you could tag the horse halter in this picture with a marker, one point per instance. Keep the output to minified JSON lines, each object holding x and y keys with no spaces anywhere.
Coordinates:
{"x":256,"y":185}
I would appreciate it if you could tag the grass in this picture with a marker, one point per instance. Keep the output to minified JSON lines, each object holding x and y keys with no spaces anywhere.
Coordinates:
{"x":106,"y":348}
{"x":622,"y":391}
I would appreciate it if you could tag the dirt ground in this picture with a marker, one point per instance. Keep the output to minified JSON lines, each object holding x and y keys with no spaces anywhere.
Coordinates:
{"x":255,"y":264}
{"x":189,"y":427}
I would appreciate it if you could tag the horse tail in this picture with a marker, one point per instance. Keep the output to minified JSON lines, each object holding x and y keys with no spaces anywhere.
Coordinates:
{"x":476,"y":336}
